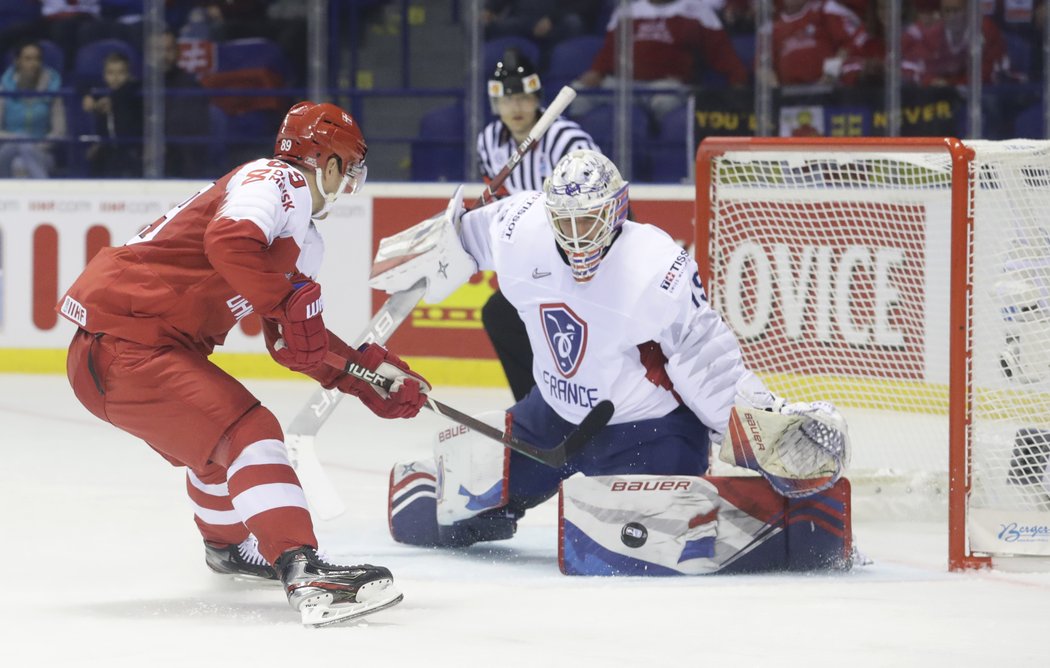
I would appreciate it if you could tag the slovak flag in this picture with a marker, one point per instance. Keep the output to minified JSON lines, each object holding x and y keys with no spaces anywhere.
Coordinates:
{"x":566,"y":335}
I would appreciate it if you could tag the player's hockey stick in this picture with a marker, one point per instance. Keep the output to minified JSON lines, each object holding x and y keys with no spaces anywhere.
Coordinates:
{"x":323,"y":499}
{"x":554,"y":457}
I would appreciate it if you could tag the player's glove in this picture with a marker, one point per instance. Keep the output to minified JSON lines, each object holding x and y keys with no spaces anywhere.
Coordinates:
{"x":407,"y":394}
{"x":304,"y":339}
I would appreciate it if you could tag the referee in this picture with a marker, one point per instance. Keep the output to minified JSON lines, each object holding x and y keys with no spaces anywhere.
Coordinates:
{"x":515,"y":93}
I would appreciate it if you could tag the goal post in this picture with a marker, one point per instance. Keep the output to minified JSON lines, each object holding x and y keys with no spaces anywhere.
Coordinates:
{"x":908,"y":281}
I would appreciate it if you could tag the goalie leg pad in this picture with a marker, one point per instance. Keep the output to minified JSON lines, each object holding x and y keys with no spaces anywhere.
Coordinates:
{"x":472,"y":471}
{"x":458,"y":497}
{"x":637,"y":525}
{"x":412,"y":503}
{"x":685,"y":525}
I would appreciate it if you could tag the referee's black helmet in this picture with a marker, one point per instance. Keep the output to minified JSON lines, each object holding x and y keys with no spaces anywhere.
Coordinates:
{"x":514,"y":74}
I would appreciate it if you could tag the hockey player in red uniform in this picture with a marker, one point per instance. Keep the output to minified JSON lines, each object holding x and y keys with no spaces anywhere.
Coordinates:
{"x":149,"y":314}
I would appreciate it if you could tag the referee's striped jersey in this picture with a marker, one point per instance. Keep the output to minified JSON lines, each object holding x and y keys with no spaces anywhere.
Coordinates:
{"x":496,"y":146}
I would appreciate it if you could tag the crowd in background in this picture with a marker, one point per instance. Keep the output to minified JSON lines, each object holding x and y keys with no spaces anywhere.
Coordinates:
{"x":91,"y":51}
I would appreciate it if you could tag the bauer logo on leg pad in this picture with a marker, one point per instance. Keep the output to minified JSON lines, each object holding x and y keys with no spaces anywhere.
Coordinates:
{"x":638,"y":525}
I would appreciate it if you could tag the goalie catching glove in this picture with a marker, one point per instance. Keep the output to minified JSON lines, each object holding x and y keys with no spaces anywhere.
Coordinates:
{"x":800,"y":448}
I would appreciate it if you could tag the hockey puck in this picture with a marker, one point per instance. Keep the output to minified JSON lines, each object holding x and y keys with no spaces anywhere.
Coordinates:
{"x":633,"y":534}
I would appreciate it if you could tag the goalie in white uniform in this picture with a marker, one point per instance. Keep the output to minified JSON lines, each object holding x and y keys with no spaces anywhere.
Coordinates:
{"x":614,"y":310}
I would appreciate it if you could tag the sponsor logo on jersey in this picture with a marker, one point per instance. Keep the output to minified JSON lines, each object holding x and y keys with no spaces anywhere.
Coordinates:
{"x":239,"y":307}
{"x":73,"y":310}
{"x":566,"y":335}
{"x":674,"y":273}
{"x":508,"y":228}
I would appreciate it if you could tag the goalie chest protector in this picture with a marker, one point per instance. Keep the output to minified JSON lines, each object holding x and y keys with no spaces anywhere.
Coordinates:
{"x":687,"y":525}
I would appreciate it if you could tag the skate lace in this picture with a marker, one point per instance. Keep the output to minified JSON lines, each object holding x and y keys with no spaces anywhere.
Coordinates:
{"x":325,"y":560}
{"x":249,"y":550}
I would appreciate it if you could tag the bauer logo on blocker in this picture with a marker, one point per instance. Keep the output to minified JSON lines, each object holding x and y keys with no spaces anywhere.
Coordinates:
{"x":566,"y":335}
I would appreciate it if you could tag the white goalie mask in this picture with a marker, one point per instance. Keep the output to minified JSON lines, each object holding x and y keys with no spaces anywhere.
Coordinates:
{"x":586,"y":201}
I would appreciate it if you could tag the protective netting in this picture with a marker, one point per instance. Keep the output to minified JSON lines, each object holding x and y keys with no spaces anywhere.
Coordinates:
{"x":833,"y":267}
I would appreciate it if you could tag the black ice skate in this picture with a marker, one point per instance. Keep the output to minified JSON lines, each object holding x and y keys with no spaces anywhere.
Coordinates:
{"x":243,"y":561}
{"x":326,"y":593}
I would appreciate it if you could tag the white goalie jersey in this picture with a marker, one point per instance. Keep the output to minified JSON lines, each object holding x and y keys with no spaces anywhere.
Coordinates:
{"x":598,"y":340}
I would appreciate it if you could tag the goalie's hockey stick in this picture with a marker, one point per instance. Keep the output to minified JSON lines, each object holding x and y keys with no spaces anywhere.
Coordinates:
{"x":555,"y":457}
{"x":322,"y":497}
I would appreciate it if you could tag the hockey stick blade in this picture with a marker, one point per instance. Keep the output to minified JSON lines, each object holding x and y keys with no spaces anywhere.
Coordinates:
{"x":555,"y":457}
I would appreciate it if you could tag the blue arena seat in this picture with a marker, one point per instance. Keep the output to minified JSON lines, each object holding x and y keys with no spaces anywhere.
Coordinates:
{"x":668,"y":159}
{"x":494,"y":51}
{"x":1028,"y":124}
{"x":599,"y":123}
{"x":437,"y":153}
{"x":569,"y":59}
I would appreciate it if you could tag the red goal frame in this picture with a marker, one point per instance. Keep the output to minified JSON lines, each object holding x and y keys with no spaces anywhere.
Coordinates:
{"x":961,"y":276}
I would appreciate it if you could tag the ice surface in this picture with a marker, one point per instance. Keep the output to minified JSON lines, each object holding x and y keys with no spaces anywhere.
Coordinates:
{"x":104,"y":567}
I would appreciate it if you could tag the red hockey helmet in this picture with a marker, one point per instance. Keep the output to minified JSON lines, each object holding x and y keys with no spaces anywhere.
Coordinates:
{"x":312,"y":133}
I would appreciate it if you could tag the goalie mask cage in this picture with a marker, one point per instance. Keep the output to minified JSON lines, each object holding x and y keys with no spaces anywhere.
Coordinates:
{"x":905,"y":280}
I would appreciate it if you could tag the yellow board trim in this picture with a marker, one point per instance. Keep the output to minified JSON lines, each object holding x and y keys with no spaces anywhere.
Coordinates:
{"x":844,"y":391}
{"x":440,"y":371}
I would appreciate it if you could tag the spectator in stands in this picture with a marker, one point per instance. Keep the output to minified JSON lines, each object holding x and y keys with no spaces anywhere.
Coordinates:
{"x":669,"y":35}
{"x":237,"y":19}
{"x":185,"y":115}
{"x":738,"y":16}
{"x":935,"y":47}
{"x":866,"y":66}
{"x":545,"y":22}
{"x":71,"y":24}
{"x":118,"y":119}
{"x":812,"y":39}
{"x":22,"y":117}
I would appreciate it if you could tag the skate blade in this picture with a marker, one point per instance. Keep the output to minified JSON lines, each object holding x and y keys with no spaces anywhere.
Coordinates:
{"x":318,"y":611}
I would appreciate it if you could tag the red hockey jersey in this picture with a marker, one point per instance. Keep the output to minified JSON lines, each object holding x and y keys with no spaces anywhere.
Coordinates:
{"x":190,"y":276}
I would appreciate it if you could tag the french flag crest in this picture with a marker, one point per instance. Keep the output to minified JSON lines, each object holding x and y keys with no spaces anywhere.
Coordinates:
{"x":566,"y":336}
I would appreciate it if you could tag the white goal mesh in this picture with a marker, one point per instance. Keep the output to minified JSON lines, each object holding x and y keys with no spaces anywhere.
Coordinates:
{"x":833,"y":263}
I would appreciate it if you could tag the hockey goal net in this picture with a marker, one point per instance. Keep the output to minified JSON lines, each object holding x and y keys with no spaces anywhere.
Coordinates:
{"x":907,"y":281}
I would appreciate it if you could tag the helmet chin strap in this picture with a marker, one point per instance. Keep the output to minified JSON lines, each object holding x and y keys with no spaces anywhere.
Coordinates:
{"x":329,"y":198}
